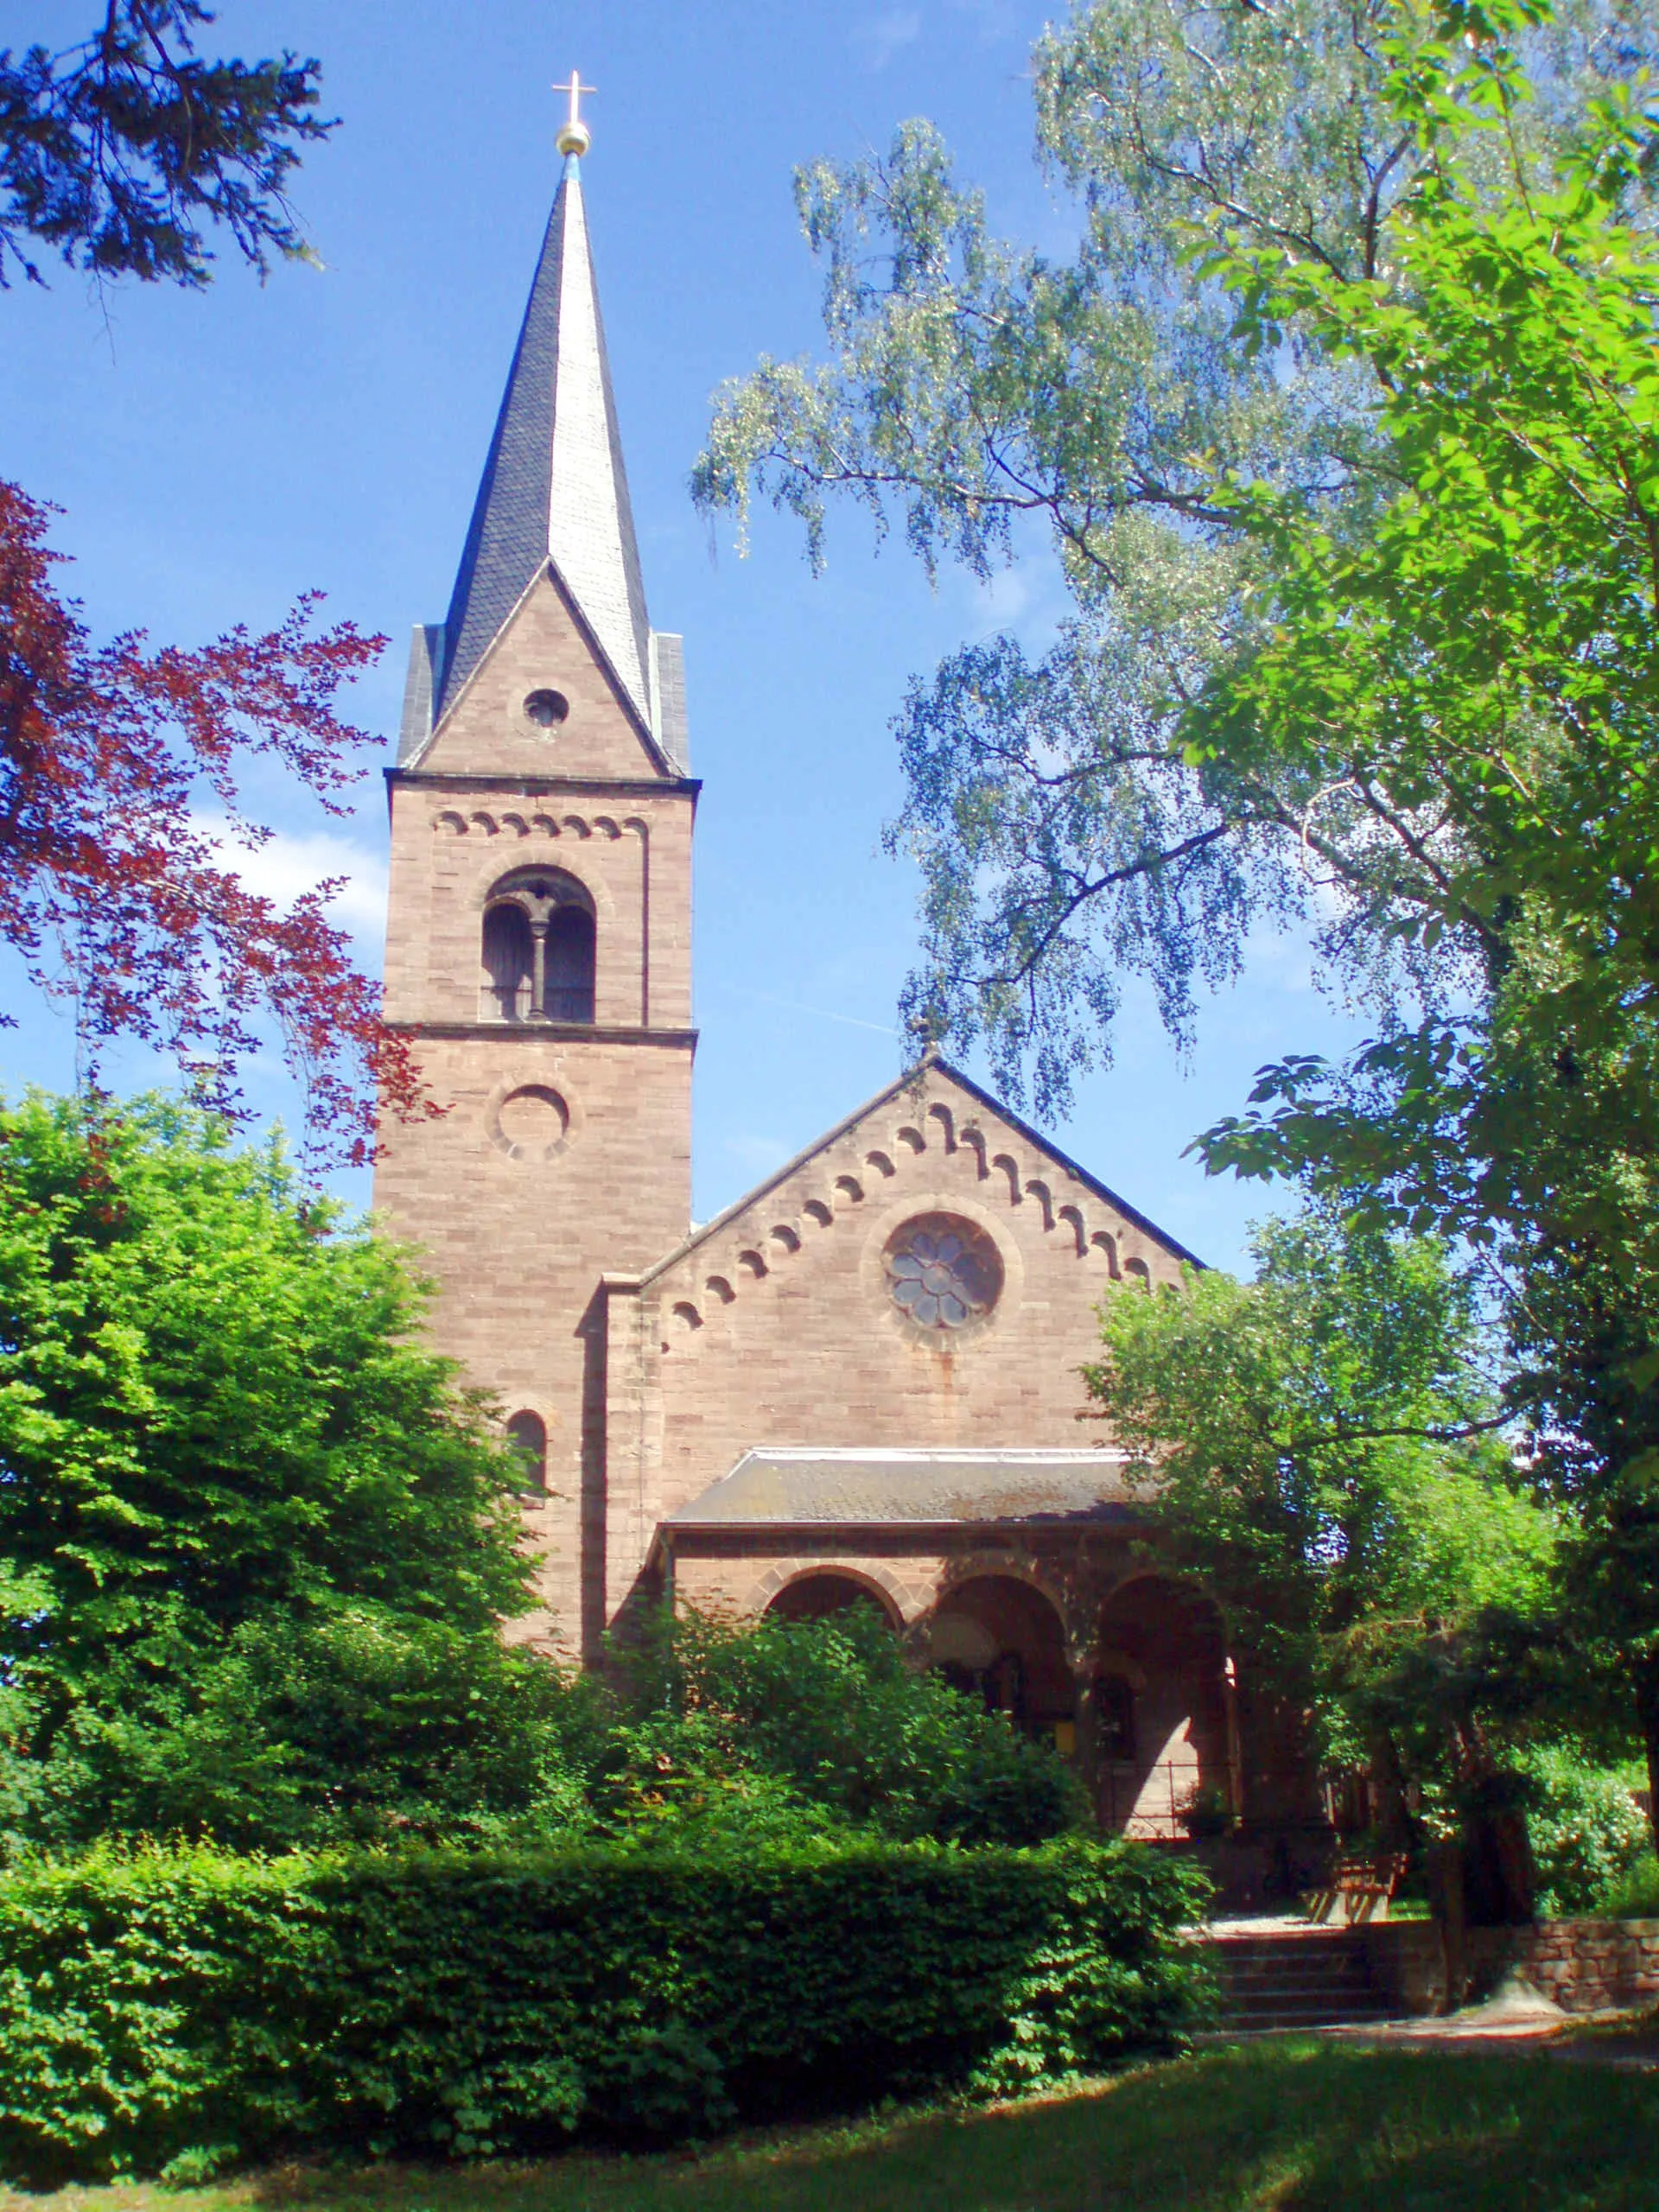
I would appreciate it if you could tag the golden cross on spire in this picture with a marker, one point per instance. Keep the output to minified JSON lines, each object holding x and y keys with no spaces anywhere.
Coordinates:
{"x":575,"y":138}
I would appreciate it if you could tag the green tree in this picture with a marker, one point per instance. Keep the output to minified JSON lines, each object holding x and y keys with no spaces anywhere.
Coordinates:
{"x":1069,"y":829}
{"x":1321,"y":1448}
{"x":1478,"y":659}
{"x":116,"y":151}
{"x":1585,"y":1325}
{"x":257,"y":1547}
{"x":1358,"y":490}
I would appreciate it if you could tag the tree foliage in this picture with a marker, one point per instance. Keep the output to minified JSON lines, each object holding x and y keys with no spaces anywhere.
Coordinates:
{"x":1342,"y":420}
{"x":1323,"y":1444}
{"x":1477,"y":661}
{"x":257,"y":1549}
{"x":116,"y":152}
{"x":1588,"y":1832}
{"x":786,"y":1728}
{"x":257,"y":1553}
{"x":117,"y":888}
{"x":1473,"y":667}
{"x":1070,"y":827}
{"x":1322,"y":1448}
{"x":1585,"y":1332}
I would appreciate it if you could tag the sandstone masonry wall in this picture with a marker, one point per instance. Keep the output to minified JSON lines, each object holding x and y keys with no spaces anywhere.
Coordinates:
{"x":1583,"y":1966}
{"x":777,"y":1326}
{"x":563,"y":1150}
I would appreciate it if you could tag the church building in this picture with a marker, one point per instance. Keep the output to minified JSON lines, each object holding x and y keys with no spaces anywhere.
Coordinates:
{"x":859,"y":1383}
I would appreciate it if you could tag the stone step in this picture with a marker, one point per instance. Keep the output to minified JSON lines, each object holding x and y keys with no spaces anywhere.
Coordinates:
{"x":1352,"y":1968}
{"x":1257,"y":1984}
{"x":1318,"y":1942}
{"x":1339,"y":2005}
{"x":1312,"y":2016}
{"x":1249,"y":2000}
{"x":1322,"y":1979}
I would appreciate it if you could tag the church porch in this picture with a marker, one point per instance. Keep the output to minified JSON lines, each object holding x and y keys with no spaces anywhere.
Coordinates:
{"x":1019,"y":1576}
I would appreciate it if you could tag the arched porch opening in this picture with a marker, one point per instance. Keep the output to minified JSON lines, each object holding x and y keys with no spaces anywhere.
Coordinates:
{"x":997,"y":1638}
{"x":825,"y":1591}
{"x":1159,"y":1712}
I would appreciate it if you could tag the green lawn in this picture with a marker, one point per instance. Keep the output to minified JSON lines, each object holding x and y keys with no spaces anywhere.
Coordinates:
{"x":1296,"y":2127}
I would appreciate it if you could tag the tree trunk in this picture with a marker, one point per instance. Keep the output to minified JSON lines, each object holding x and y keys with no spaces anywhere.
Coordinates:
{"x":1445,"y":1890}
{"x":1647,"y":1708}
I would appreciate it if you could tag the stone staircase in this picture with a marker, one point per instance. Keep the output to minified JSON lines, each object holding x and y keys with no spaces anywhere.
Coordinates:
{"x":1296,"y":1978}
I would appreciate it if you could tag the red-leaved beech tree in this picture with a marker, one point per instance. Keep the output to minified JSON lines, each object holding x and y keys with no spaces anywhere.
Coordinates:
{"x":117,"y":890}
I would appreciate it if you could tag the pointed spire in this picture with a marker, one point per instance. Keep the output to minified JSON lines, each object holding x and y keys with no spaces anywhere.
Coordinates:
{"x":555,"y":487}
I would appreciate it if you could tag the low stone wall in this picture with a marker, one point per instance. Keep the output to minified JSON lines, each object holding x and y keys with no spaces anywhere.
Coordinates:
{"x":1583,"y":1965}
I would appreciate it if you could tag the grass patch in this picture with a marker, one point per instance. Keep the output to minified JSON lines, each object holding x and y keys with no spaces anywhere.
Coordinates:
{"x":1288,"y":2127}
{"x":1633,"y":2035}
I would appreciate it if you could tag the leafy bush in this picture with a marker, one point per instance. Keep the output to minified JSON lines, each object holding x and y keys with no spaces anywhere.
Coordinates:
{"x":187,"y":2008}
{"x":361,"y":1727}
{"x":819,"y":1727}
{"x":1635,"y":1895}
{"x":1586,"y":1830}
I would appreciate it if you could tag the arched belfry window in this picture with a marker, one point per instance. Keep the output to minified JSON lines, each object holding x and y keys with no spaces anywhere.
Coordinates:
{"x":538,"y":949}
{"x":569,"y":988}
{"x":509,"y":963}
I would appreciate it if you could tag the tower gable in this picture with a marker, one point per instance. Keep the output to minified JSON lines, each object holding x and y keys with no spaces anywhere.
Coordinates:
{"x":544,"y":700}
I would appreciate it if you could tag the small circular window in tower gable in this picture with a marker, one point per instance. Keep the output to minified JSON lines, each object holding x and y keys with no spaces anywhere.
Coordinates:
{"x":943,"y":1273}
{"x":546,"y":710}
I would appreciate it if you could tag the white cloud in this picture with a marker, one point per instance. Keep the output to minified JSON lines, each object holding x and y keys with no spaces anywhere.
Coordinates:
{"x":995,"y":18}
{"x":288,"y":865}
{"x":1029,"y":600}
{"x":757,"y":1155}
{"x":882,"y":36}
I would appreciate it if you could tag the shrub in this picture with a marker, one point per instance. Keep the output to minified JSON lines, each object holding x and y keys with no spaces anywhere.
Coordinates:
{"x":358,"y":1729}
{"x":159,"y":2007}
{"x":1586,"y":1830}
{"x":1635,"y":1895}
{"x":830,"y":1716}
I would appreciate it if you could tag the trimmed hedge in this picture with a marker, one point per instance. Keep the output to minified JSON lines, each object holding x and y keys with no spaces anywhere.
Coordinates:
{"x":183,"y":2010}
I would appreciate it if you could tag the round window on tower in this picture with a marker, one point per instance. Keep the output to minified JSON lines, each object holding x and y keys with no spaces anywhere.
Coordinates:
{"x":546,"y":710}
{"x":945,"y":1274}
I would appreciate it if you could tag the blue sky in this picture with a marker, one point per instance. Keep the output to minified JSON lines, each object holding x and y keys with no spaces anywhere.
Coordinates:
{"x":216,"y":454}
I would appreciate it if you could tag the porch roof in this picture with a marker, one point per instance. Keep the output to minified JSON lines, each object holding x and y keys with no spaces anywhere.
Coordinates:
{"x":799,"y":1487}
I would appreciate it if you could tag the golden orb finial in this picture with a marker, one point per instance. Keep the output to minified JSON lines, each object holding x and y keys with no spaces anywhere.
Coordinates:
{"x":574,"y":136}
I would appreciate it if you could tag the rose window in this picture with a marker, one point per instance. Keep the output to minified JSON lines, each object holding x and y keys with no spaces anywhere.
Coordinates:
{"x":943,"y":1273}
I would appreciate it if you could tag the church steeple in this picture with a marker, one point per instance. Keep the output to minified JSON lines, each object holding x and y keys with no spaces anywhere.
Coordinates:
{"x":554,"y":492}
{"x":538,"y":927}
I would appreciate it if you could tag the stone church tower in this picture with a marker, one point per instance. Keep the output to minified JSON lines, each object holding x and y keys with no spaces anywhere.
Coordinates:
{"x":539,"y":929}
{"x":860,"y":1383}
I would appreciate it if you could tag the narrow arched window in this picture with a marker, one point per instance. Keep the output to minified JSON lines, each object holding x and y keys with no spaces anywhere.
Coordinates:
{"x":570,"y":965}
{"x":509,"y":963}
{"x":527,"y":1434}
